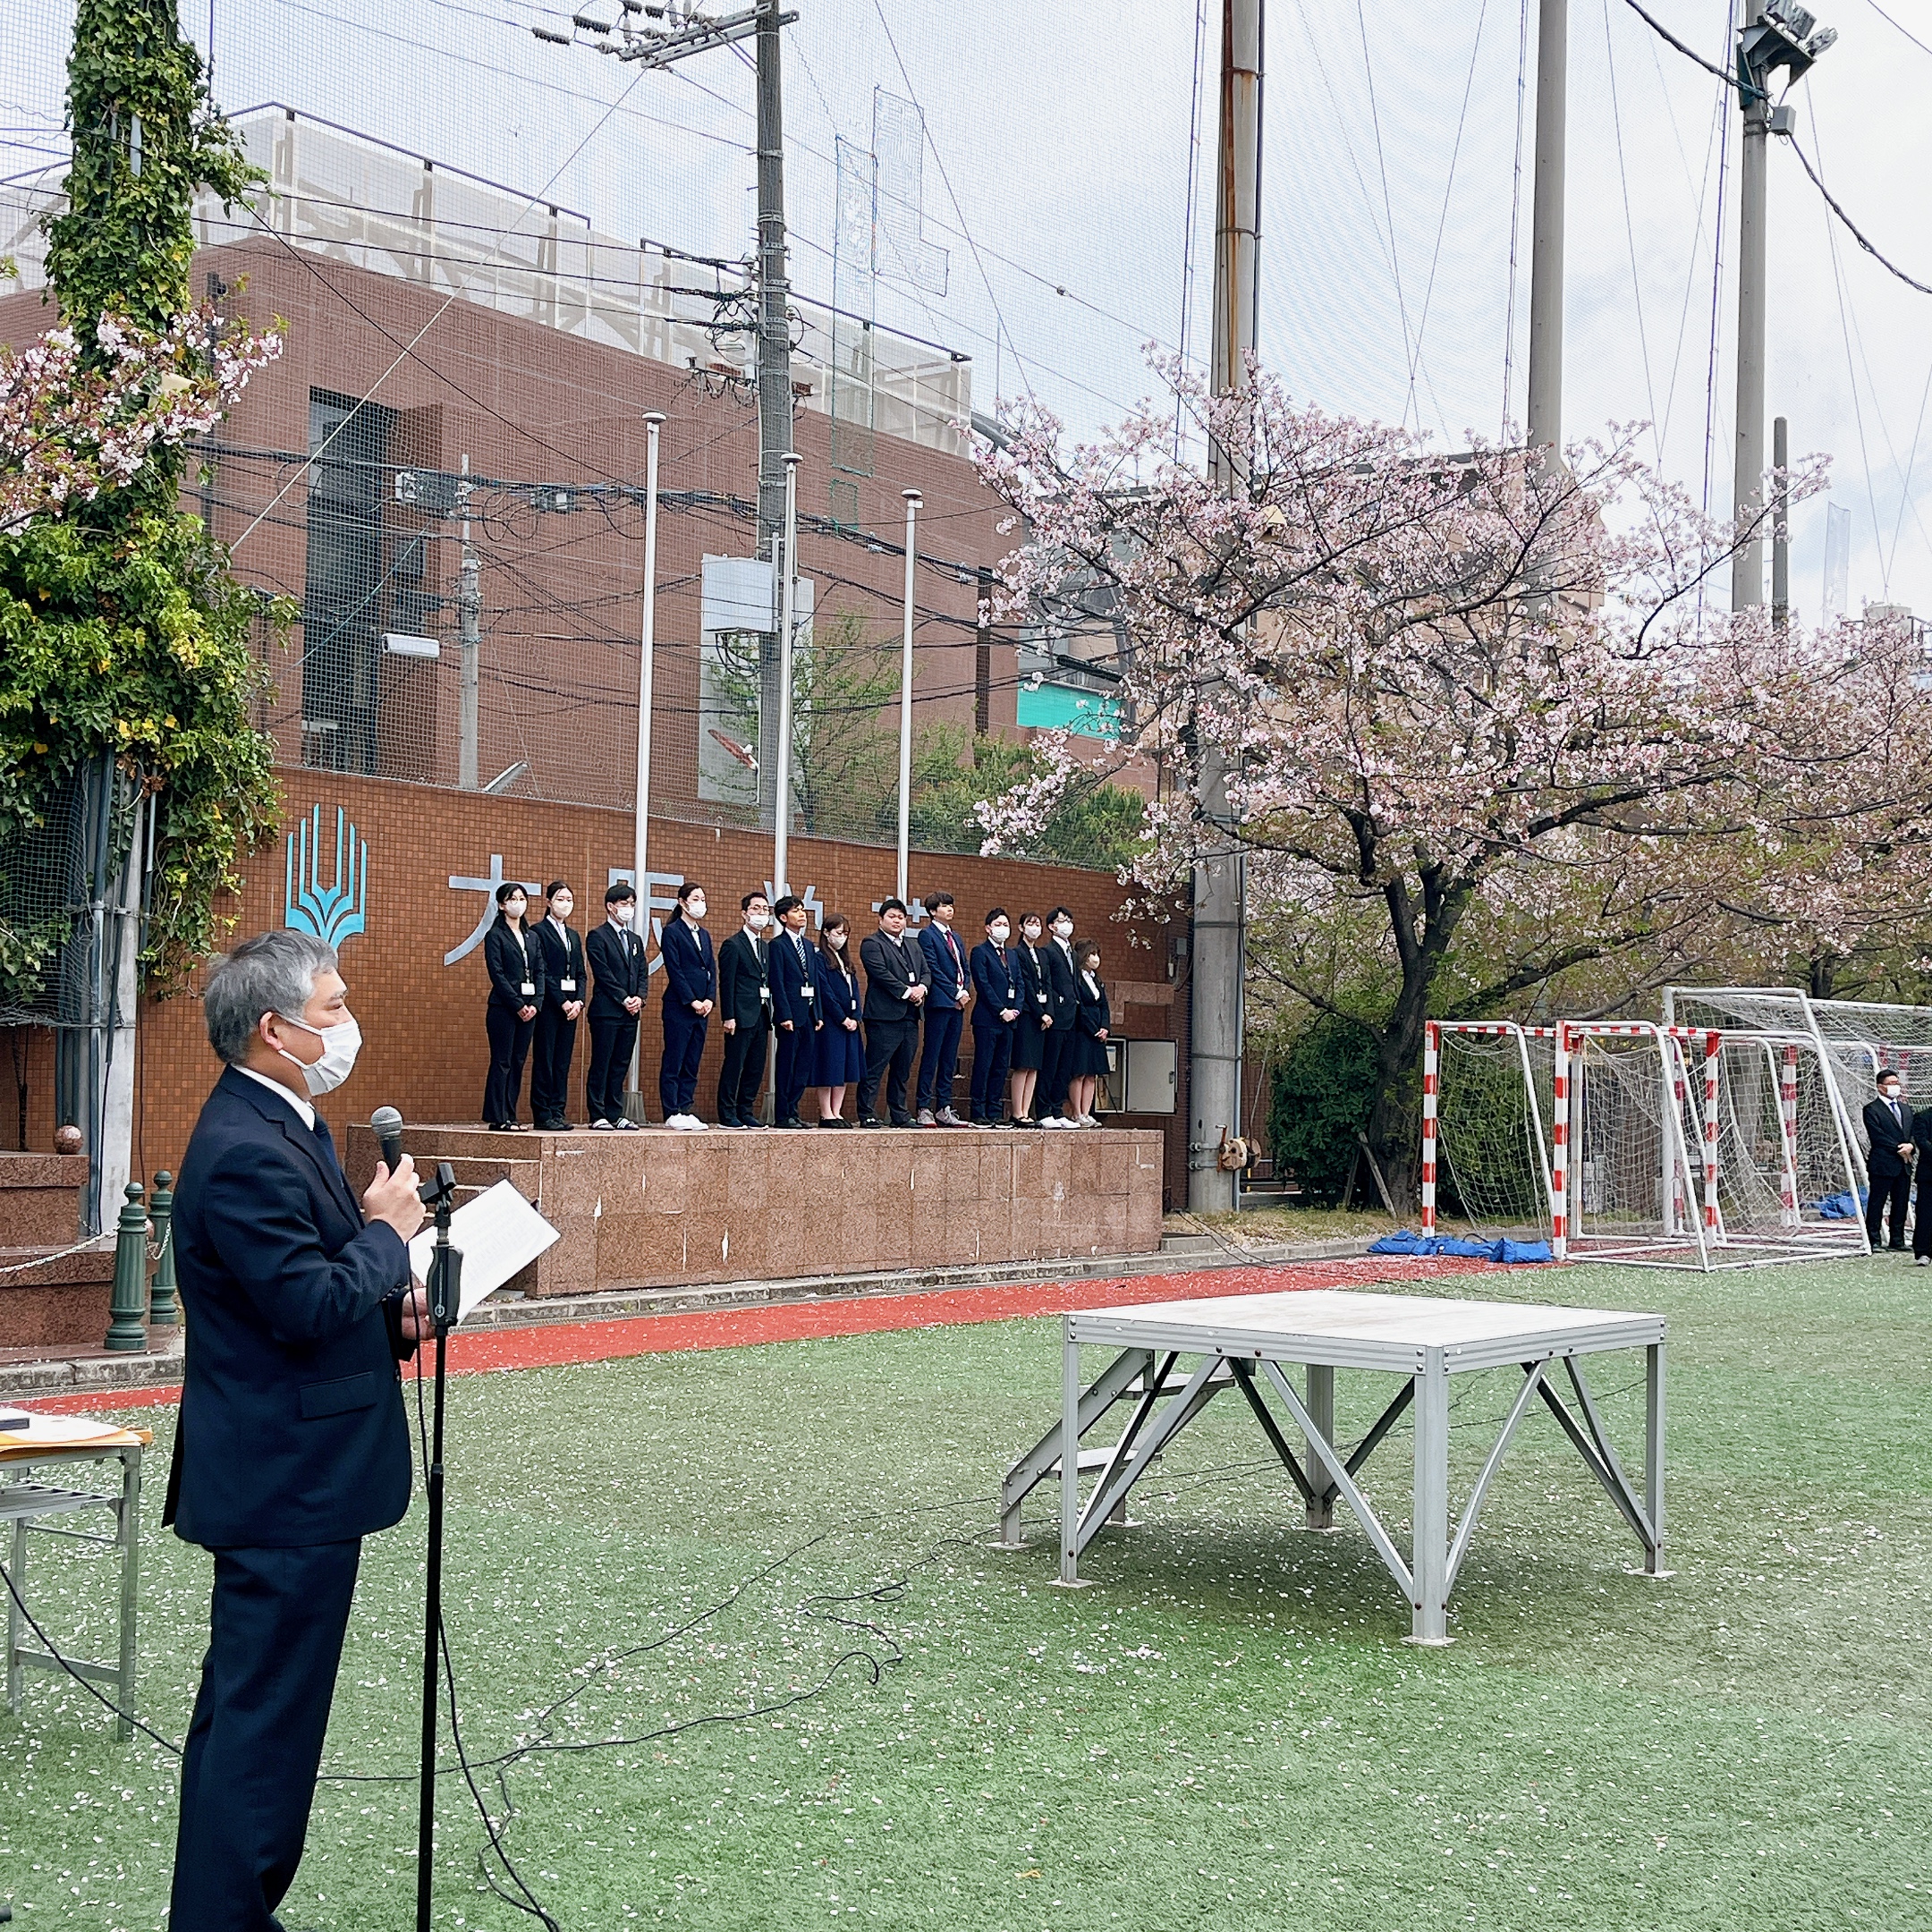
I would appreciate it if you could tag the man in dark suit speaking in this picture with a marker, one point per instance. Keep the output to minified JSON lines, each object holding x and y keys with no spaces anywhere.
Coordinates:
{"x":1888,"y":1130}
{"x":293,"y":1444}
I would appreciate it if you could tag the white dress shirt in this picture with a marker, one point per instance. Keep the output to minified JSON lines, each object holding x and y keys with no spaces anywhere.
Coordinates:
{"x":295,"y":1099}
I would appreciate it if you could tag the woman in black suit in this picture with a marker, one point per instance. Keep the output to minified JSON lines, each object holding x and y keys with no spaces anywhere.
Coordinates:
{"x":516,"y":972}
{"x":838,"y":1055}
{"x":1029,"y":1037}
{"x":1091,"y":1021}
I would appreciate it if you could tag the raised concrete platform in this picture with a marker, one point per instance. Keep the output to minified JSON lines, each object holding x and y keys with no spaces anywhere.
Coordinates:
{"x":659,"y":1209}
{"x":51,"y":1296}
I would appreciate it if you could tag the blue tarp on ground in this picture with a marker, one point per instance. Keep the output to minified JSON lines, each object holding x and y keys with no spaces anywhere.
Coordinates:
{"x":1846,"y":1207}
{"x":1406,"y":1242}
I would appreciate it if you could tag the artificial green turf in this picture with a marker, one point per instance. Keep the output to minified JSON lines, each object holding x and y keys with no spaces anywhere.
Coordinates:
{"x":1227,"y":1732}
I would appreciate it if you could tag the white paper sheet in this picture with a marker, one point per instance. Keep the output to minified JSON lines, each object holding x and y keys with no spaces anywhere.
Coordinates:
{"x":497,"y":1232}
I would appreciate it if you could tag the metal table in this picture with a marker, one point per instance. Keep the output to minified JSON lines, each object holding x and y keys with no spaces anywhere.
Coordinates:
{"x":1241,"y":1341}
{"x":27,"y":1496}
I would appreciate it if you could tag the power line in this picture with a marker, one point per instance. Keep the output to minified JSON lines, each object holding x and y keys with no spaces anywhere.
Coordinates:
{"x":1858,"y":234}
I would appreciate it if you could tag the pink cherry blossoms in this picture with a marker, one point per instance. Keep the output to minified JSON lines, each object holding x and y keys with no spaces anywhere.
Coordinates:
{"x":72,"y":429}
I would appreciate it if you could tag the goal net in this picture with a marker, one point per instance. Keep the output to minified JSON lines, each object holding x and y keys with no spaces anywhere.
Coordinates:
{"x":1856,"y":1040}
{"x":1655,"y":1145}
{"x":1487,"y":1094}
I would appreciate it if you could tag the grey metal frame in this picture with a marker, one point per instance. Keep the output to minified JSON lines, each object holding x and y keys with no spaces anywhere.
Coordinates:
{"x":1235,"y":1345}
{"x":24,"y":1503}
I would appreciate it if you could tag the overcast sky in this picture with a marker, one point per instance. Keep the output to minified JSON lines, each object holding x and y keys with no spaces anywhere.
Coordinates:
{"x":1056,"y":178}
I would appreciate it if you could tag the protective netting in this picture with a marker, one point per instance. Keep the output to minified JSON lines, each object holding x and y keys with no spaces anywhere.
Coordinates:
{"x":1494,"y":1112}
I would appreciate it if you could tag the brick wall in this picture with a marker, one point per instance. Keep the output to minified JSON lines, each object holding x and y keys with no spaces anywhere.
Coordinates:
{"x":425,"y":1050}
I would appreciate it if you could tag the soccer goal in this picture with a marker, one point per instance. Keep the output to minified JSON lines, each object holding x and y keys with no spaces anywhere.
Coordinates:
{"x":1656,"y":1145}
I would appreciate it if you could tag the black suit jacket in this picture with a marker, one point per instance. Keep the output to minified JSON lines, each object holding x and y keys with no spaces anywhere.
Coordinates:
{"x":690,"y":967}
{"x":515,"y":958}
{"x":744,"y":985}
{"x":892,"y":967}
{"x":1063,"y":989}
{"x":1882,"y":1131}
{"x":618,"y":958}
{"x":562,"y":959}
{"x":291,"y":1430}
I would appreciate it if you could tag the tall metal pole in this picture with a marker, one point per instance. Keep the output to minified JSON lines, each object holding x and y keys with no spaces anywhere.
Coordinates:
{"x":1546,"y":231}
{"x":787,"y":619}
{"x":654,"y":422}
{"x":905,"y":696}
{"x":1214,"y":1066}
{"x":1780,"y":526}
{"x":773,"y":370}
{"x":1747,"y":484}
{"x":470,"y":622}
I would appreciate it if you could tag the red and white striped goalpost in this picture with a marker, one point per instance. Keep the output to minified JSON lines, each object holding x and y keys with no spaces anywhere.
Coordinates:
{"x":1431,"y":1080}
{"x":1560,"y":1146}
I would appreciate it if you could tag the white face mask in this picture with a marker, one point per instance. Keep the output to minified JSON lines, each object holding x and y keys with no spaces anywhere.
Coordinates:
{"x":837,"y":941}
{"x":514,"y":908}
{"x":1001,"y":932}
{"x":621,"y":913}
{"x":562,"y":908}
{"x":341,"y":1043}
{"x":1032,"y":930}
{"x":1062,"y":928}
{"x":757,"y":921}
{"x":694,"y":908}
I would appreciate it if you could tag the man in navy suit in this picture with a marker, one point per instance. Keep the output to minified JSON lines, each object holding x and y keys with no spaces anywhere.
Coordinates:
{"x":293,"y":1444}
{"x":945,"y":1013}
{"x":616,"y":999}
{"x":690,"y":992}
{"x":745,"y":1003}
{"x":795,"y":998}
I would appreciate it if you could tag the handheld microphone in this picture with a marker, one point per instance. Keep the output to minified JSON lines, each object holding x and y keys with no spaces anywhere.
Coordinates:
{"x":386,"y":1124}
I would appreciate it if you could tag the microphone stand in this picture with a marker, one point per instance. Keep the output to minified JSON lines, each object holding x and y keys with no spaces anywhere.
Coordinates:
{"x":446,"y":1301}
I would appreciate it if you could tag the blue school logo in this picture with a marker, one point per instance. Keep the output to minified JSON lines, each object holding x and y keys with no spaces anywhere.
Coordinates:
{"x":333,"y":912}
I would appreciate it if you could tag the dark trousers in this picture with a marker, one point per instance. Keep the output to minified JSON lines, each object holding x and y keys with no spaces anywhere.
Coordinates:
{"x":509,"y":1045}
{"x":794,"y":1069}
{"x":550,"y":1079}
{"x":891,"y":1046}
{"x":1887,"y":1193}
{"x":738,"y":1085}
{"x":684,"y":1048}
{"x":992,"y":1056}
{"x":611,"y":1042}
{"x":1057,"y":1050}
{"x":248,"y":1769}
{"x":1922,"y":1220}
{"x":940,"y":1061}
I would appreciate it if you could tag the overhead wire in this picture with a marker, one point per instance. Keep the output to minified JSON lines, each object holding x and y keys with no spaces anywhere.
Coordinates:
{"x":1515,"y":216}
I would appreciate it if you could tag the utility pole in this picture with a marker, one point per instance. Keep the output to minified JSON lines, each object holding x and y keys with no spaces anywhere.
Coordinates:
{"x":469,"y":628}
{"x":913,"y":507}
{"x":1747,"y":563}
{"x":1547,"y":233}
{"x":659,"y":37}
{"x":774,"y":386}
{"x":1777,"y":33}
{"x":1215,"y":982}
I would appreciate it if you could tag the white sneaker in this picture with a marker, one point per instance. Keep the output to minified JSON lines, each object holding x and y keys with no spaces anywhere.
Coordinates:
{"x":685,"y":1122}
{"x":1087,"y":1120}
{"x":602,"y":1126}
{"x":1053,"y":1120}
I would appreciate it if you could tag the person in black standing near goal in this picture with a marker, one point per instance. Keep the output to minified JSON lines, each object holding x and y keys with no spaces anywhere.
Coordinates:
{"x":1889,"y":1128}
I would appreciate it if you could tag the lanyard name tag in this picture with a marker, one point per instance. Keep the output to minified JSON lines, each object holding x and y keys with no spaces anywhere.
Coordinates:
{"x":567,"y":986}
{"x":1041,"y":998}
{"x":764,"y":993}
{"x":810,"y":993}
{"x":530,"y":986}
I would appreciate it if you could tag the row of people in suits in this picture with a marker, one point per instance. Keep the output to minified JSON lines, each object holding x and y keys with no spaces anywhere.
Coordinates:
{"x":1036,"y":1003}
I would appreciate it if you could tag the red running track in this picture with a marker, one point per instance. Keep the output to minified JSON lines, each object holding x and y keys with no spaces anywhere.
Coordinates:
{"x":558,"y":1345}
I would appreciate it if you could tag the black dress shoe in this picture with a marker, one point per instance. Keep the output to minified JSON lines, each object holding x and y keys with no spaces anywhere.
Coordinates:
{"x":870,"y":1120}
{"x":791,"y":1120}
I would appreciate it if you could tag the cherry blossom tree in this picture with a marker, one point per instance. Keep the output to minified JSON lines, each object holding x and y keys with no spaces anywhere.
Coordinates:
{"x":1480,"y":718}
{"x":76,"y":422}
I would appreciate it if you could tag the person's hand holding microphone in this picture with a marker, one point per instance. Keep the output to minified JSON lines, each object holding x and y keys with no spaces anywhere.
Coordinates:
{"x":395,"y":1196}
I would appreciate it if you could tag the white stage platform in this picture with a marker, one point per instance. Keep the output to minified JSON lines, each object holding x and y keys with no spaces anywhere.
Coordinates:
{"x":1241,"y":1341}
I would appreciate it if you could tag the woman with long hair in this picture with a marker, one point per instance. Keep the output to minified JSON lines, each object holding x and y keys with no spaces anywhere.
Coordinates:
{"x":1091,"y":1021}
{"x":1029,"y":1037}
{"x":838,"y":1055}
{"x":516,"y":976}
